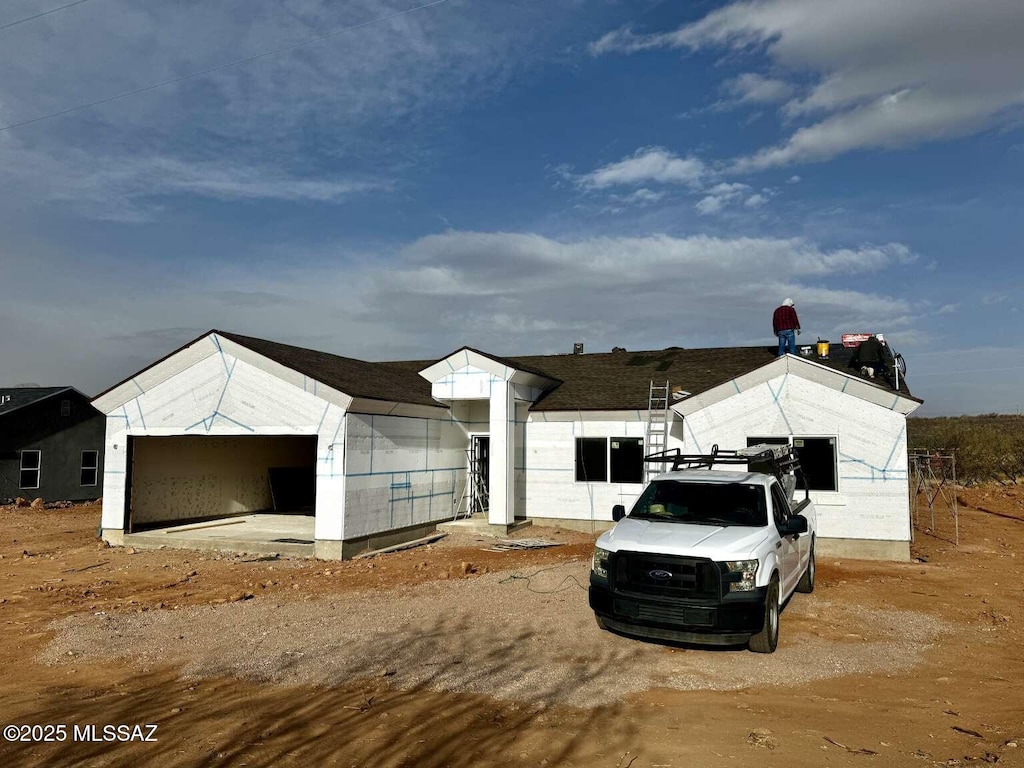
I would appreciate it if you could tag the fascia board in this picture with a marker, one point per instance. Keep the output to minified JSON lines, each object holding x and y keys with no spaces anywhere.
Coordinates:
{"x":464,"y":357}
{"x":283,"y":372}
{"x":583,"y":416}
{"x":851,"y":385}
{"x":531,"y":379}
{"x":805,"y":369}
{"x":146,"y":379}
{"x":211,"y":344}
{"x":702,"y":400}
{"x":391,"y":408}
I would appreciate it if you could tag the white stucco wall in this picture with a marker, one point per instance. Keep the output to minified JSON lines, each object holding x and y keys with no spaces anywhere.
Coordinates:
{"x":219,"y":395}
{"x":872,"y":500}
{"x":550,"y":460}
{"x":401,"y":472}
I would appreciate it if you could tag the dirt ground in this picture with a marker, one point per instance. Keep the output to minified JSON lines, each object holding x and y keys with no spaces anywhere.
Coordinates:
{"x":448,"y":655}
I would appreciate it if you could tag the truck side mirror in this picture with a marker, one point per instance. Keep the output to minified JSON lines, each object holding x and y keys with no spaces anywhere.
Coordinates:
{"x":619,"y":512}
{"x":796,"y":525}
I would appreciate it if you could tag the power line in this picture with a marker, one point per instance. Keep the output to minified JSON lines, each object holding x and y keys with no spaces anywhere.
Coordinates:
{"x":220,"y":67}
{"x":40,"y":15}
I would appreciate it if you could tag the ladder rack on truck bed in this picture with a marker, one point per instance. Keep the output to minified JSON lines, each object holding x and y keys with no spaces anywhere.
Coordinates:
{"x":778,"y":460}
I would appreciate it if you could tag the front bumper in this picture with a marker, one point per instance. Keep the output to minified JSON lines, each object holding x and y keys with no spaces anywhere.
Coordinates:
{"x":730,"y":621}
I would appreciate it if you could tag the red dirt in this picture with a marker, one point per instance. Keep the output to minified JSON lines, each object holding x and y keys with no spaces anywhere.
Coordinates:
{"x":962,"y":707}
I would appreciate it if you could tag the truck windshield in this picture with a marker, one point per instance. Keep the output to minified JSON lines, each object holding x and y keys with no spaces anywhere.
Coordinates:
{"x":702,"y":503}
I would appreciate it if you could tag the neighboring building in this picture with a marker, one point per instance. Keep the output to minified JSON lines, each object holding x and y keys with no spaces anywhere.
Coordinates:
{"x":385,"y":451}
{"x":51,"y":444}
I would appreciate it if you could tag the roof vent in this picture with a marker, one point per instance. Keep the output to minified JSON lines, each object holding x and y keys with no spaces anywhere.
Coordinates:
{"x":577,"y":348}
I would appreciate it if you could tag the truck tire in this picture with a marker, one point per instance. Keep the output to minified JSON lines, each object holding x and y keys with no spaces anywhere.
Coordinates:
{"x":806,"y":583}
{"x":767,"y":639}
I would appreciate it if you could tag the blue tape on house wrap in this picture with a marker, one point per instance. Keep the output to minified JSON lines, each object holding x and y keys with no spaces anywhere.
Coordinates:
{"x":895,"y":445}
{"x":324,"y":416}
{"x":216,"y":343}
{"x":405,"y":471}
{"x":224,"y":390}
{"x":233,"y":421}
{"x":776,"y":396}
{"x":696,"y":443}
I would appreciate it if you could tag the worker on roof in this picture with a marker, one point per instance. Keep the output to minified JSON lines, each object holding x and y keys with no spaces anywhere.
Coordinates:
{"x":787,"y":327}
{"x":870,"y":357}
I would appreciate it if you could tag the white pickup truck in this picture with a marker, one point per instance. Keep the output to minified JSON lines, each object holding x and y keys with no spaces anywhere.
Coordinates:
{"x":708,"y":555}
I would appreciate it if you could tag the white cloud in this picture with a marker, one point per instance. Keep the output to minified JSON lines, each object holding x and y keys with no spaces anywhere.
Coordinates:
{"x":885,"y":74}
{"x":323,"y":122}
{"x":648,"y":165}
{"x":719,"y":196}
{"x":756,"y":200}
{"x":794,"y":179}
{"x":709,"y":205}
{"x":505,"y":292}
{"x":130,"y":189}
{"x":752,"y":88}
{"x":949,"y":309}
{"x":644,"y":196}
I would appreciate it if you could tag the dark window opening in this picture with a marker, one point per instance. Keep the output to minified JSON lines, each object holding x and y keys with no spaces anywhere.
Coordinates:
{"x":30,"y":466}
{"x":90,"y":467}
{"x":591,"y":460}
{"x":627,"y":460}
{"x":818,"y":459}
{"x":65,"y":407}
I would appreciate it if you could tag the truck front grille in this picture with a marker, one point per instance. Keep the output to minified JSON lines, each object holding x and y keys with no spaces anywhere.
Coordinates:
{"x":665,"y":575}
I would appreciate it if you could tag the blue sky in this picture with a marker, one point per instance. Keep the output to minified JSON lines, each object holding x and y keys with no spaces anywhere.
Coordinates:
{"x":517,"y":177}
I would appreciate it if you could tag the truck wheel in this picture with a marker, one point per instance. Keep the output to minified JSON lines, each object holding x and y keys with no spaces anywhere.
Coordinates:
{"x":806,"y":584}
{"x":767,"y":639}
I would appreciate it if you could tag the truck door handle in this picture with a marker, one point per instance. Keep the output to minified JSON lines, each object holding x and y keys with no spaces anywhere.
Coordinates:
{"x":778,"y":544}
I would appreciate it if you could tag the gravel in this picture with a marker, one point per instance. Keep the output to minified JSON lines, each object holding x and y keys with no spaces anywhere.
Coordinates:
{"x":532,"y":640}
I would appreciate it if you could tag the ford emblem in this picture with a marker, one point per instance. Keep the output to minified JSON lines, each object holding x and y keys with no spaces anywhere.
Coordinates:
{"x":660,"y":575}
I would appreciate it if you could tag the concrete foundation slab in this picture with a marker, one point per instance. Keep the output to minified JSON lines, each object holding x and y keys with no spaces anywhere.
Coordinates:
{"x":479,"y":524}
{"x":863,"y":549}
{"x":263,"y":534}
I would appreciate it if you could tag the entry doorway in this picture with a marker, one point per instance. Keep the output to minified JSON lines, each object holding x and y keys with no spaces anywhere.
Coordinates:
{"x":480,"y":472}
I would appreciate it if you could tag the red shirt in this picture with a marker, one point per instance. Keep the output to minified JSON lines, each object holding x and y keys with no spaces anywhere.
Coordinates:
{"x":785,"y":319}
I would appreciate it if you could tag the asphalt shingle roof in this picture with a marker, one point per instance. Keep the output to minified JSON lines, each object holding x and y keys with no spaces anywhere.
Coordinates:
{"x":603,"y":381}
{"x":621,"y":380}
{"x":357,"y":378}
{"x":613,"y":381}
{"x":13,"y":398}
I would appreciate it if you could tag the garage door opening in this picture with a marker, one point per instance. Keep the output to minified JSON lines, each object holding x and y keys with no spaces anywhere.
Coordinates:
{"x":180,"y":480}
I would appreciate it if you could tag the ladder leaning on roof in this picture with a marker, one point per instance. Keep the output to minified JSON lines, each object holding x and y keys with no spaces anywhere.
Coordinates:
{"x":656,"y":436}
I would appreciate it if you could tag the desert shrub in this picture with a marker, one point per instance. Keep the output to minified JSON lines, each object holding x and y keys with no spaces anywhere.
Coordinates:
{"x":988,"y":447}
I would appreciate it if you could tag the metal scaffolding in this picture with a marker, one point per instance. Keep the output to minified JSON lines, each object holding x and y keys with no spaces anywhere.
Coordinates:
{"x":934,"y":507}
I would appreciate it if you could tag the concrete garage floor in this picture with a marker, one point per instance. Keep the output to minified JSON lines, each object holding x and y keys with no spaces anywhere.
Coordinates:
{"x":259,"y":534}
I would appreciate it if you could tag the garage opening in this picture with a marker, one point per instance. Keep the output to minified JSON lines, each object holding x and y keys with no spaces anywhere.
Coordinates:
{"x":179,"y":480}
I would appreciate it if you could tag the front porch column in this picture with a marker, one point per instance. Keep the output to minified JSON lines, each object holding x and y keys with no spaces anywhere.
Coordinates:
{"x":502,"y":463}
{"x":329,"y":509}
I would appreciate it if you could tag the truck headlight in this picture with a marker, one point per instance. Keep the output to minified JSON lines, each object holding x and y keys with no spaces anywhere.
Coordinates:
{"x":600,"y":563}
{"x":740,"y":575}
